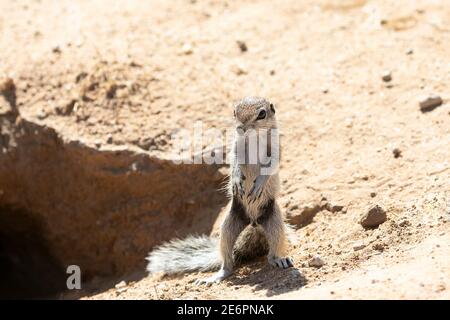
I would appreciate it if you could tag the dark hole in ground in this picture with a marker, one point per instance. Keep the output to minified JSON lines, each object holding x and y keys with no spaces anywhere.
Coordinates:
{"x":27,"y":268}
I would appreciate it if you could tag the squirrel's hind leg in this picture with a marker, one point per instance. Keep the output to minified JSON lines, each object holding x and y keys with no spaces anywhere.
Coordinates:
{"x":232,"y":226}
{"x":275,"y":231}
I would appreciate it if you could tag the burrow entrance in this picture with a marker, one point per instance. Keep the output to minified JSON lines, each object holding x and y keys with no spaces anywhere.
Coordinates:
{"x":27,"y":267}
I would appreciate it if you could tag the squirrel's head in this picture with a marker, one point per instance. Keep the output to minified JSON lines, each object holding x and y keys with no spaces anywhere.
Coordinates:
{"x":254,"y":113}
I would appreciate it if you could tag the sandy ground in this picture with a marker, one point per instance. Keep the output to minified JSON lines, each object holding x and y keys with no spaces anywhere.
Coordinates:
{"x":131,"y":73}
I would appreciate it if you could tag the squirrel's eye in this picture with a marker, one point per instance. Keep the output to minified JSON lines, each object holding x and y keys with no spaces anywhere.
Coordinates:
{"x":261,"y":115}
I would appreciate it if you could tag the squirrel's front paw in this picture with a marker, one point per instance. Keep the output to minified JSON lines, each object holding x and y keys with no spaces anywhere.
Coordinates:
{"x":282,"y":263}
{"x":238,"y":188}
{"x":257,"y":188}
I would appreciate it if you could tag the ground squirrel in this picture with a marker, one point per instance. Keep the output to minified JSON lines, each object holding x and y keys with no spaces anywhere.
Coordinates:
{"x":254,"y":225}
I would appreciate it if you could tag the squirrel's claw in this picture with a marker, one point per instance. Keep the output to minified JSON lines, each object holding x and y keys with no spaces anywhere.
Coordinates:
{"x":238,"y":189}
{"x":216,"y":278}
{"x":257,"y":188}
{"x":283,"y":262}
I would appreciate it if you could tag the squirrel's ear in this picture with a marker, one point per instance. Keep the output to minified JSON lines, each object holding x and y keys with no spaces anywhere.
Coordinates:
{"x":272,"y":107}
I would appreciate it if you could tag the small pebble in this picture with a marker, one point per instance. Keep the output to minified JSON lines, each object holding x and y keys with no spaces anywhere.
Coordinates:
{"x":387,"y":76}
{"x":316,"y":262}
{"x":7,"y":85}
{"x":373,"y":218}
{"x":430,"y":103}
{"x":56,"y":49}
{"x":397,"y":153}
{"x":358,"y":246}
{"x":242,"y":46}
{"x":121,"y":284}
{"x":239,"y":69}
{"x":404,"y":223}
{"x":187,"y":49}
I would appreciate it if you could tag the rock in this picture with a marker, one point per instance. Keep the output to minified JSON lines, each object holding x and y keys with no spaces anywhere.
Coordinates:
{"x":82,"y":117}
{"x":135,"y":64}
{"x":109,"y":139}
{"x":373,"y":194}
{"x":397,"y":153}
{"x":378,"y":246}
{"x":373,"y":218}
{"x":121,"y":287}
{"x":242,"y":46}
{"x":121,"y":284}
{"x":387,"y":76}
{"x":7,"y":85}
{"x":404,"y":223}
{"x":42,"y":115}
{"x":146,"y":143}
{"x":65,"y":108}
{"x":187,"y":49}
{"x":441,"y":287}
{"x":8,"y":92}
{"x":430,"y":103}
{"x":358,"y":246}
{"x":332,"y":207}
{"x":56,"y":49}
{"x":409,"y":52}
{"x":111,"y":92}
{"x":239,"y":69}
{"x":80,"y":76}
{"x":348,"y":122}
{"x":316,"y":262}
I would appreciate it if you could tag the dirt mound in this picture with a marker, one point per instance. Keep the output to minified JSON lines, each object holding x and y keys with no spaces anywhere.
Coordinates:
{"x":101,"y":210}
{"x":361,"y":89}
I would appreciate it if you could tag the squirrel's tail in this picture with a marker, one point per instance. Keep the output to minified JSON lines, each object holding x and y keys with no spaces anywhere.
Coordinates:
{"x":186,"y":255}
